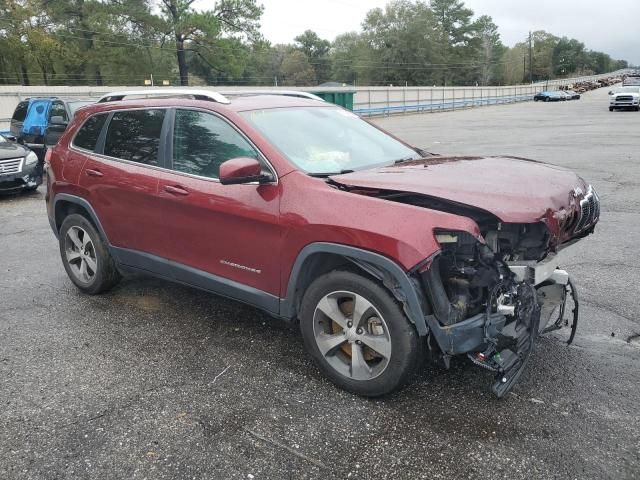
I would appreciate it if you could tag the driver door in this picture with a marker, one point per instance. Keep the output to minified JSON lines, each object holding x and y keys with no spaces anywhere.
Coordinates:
{"x":232,"y":232}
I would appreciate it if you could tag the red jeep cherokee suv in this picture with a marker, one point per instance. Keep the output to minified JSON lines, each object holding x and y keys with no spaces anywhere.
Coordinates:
{"x":381,"y":252}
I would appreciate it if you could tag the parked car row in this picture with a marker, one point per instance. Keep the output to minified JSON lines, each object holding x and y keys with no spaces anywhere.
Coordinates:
{"x":582,"y":87}
{"x":632,"y":79}
{"x":556,"y":96}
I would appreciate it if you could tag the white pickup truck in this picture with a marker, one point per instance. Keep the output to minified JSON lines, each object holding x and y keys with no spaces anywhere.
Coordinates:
{"x":625,"y":97}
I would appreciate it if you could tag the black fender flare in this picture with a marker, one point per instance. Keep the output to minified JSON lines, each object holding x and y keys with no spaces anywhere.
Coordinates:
{"x":394,"y":277}
{"x":84,"y":204}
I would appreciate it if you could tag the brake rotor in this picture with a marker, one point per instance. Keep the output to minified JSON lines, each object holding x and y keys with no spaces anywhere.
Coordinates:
{"x":374,"y":327}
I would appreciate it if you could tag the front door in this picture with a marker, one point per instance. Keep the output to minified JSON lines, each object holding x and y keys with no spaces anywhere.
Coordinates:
{"x":231,"y":232}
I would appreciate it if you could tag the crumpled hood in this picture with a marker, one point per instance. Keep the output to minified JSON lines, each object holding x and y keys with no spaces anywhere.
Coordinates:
{"x":513,"y":189}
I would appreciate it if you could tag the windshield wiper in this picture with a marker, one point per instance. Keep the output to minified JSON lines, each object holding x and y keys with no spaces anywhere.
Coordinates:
{"x":325,"y":175}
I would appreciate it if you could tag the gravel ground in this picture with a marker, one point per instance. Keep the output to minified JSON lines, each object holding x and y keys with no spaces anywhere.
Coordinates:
{"x":155,"y":380}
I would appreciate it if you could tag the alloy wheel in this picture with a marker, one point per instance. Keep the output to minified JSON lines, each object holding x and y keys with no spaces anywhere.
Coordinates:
{"x":80,"y":254}
{"x":352,"y":335}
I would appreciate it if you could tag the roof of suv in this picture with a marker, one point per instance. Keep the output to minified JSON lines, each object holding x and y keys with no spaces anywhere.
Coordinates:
{"x":236,"y":104}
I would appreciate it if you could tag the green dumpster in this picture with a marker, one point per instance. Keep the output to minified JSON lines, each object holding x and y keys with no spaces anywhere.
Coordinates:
{"x":344,"y":98}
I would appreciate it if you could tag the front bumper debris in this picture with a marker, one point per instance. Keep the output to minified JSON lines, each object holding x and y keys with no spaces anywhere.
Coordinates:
{"x":527,"y":300}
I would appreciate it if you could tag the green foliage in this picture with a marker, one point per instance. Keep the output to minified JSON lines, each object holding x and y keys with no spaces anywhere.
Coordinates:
{"x":316,"y":51}
{"x":296,"y":69}
{"x":414,"y":42}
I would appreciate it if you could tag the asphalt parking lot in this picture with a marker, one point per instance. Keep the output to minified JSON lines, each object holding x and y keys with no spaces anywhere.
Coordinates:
{"x":155,"y":380}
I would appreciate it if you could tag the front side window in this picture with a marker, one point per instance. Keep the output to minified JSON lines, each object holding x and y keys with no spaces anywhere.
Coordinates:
{"x":326,"y":140}
{"x":57,"y":110}
{"x":87,"y":136}
{"x":202,"y":141}
{"x":135,"y":136}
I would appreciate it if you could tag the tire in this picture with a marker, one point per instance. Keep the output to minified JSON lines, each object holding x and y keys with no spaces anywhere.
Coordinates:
{"x":85,"y":256}
{"x":333,"y":340}
{"x":547,"y":99}
{"x":611,"y":109}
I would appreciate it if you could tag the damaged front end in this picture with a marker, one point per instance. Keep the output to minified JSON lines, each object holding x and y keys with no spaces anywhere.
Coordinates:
{"x":491,"y":310}
{"x":490,"y":293}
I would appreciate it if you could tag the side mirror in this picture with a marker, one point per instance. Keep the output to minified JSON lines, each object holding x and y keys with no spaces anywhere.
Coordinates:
{"x":58,"y":120}
{"x":242,"y":170}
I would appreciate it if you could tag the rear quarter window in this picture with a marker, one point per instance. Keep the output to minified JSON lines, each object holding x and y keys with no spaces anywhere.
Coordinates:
{"x":87,"y":136}
{"x":20,"y":113}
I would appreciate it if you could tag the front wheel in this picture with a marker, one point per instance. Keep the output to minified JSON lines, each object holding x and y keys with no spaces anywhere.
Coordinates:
{"x":358,"y":334}
{"x":611,"y":109}
{"x":85,"y":256}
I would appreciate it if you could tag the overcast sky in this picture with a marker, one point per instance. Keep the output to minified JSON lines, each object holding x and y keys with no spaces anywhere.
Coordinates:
{"x":611,"y":26}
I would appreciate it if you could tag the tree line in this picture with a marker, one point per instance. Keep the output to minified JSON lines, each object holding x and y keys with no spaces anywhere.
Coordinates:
{"x":412,"y":42}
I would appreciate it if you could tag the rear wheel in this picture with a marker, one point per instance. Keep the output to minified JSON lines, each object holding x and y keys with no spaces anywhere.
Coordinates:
{"x":358,"y":334}
{"x":85,"y":256}
{"x":611,"y":109}
{"x":547,"y":99}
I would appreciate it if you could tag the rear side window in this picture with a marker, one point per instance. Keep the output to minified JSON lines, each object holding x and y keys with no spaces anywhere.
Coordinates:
{"x":135,"y":136}
{"x":201,"y":142}
{"x":87,"y":136}
{"x":20,"y":112}
{"x":58,"y":110}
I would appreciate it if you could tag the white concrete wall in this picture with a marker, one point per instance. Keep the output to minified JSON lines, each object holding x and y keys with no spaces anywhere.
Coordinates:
{"x":405,"y":99}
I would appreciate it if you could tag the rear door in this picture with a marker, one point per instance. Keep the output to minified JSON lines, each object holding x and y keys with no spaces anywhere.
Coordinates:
{"x":231,"y":231}
{"x":121,"y":178}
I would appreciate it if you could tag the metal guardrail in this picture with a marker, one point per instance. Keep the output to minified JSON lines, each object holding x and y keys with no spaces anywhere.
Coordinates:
{"x":444,"y":105}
